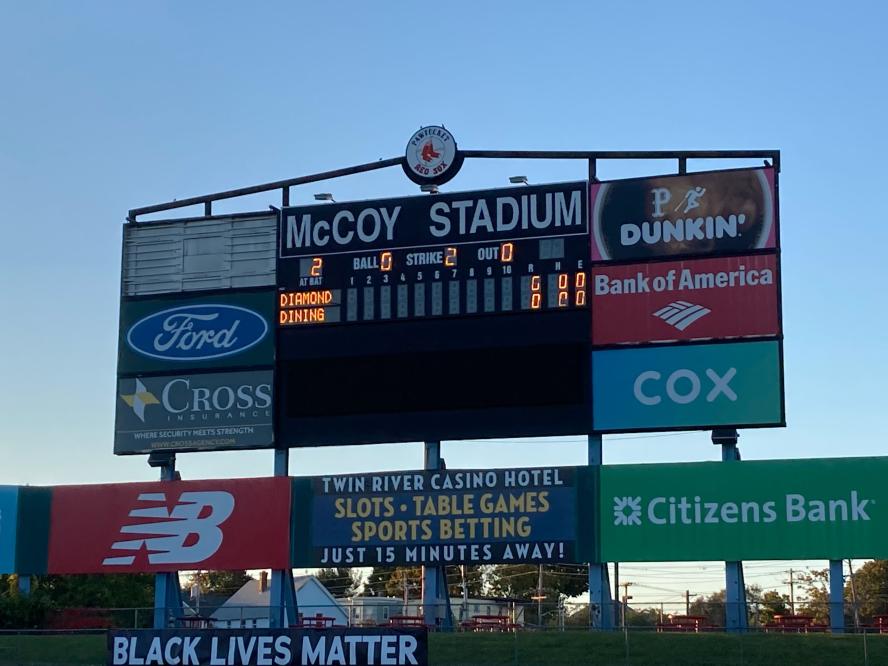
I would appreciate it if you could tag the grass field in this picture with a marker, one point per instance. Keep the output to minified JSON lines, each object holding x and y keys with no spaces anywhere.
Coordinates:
{"x":548,"y":649}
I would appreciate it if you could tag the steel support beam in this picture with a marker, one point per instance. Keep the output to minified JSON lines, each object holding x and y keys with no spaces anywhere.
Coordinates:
{"x":735,"y":586}
{"x":601,"y":607}
{"x":431,"y":592}
{"x":836,"y":597}
{"x":591,"y":155}
{"x":167,"y":592}
{"x":283,"y":608}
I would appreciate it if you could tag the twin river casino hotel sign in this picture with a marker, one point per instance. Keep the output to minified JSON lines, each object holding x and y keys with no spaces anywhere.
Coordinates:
{"x":427,"y":517}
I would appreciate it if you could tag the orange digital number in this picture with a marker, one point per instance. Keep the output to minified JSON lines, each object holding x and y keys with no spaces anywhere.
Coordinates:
{"x":317,"y":265}
{"x":536,"y":298}
{"x":562,"y":299}
{"x":450,"y":256}
{"x":580,"y":284}
{"x":562,"y":281}
{"x":385,"y":261}
{"x":507,"y":251}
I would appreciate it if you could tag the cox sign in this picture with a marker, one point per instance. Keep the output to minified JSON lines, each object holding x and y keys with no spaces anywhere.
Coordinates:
{"x":693,"y":386}
{"x":213,"y":331}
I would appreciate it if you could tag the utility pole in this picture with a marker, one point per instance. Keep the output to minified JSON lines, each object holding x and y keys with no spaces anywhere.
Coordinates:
{"x":854,"y":597}
{"x":540,"y":597}
{"x":687,"y":602}
{"x":625,"y":599}
{"x":791,"y":583}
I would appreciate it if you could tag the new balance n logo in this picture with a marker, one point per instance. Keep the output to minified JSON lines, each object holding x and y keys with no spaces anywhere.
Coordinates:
{"x":194,"y":520}
{"x":681,"y":314}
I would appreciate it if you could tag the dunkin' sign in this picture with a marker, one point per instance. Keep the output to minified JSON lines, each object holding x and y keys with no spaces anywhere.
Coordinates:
{"x":698,"y":299}
{"x":690,"y":214}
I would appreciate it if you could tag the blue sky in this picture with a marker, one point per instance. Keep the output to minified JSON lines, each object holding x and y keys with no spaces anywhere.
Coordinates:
{"x":105,"y":106}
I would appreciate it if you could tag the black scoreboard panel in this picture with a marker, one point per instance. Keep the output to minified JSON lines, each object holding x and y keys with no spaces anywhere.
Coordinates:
{"x":443,"y":316}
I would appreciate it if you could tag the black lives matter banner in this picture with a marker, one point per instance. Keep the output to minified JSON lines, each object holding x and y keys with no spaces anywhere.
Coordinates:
{"x":443,"y":517}
{"x":264,"y":647}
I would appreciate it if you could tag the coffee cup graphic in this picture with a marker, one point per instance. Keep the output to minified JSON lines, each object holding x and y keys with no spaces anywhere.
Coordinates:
{"x":709,"y":213}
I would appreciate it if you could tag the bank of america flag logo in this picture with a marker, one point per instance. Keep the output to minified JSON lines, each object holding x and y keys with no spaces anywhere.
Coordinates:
{"x":681,"y":314}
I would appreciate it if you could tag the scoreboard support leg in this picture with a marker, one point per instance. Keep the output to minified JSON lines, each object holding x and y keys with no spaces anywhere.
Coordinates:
{"x":735,"y":586}
{"x":167,"y":592}
{"x":431,"y":593}
{"x":283,"y":608}
{"x":601,"y":607}
{"x":836,"y":597}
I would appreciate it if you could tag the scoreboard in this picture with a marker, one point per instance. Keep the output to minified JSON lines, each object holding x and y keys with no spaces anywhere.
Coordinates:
{"x":435,"y":316}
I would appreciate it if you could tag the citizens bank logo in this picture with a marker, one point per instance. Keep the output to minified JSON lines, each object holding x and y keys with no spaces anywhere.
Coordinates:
{"x":627,"y":510}
{"x":197,"y":332}
{"x":793,"y":508}
{"x":194,"y":520}
{"x":139,"y":399}
{"x":681,"y":314}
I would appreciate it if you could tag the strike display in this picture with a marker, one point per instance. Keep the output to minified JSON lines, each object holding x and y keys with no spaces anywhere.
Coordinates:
{"x":467,"y":254}
{"x":444,"y":316}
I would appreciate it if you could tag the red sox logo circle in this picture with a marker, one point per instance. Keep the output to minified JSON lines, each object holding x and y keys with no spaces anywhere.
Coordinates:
{"x":431,"y":156}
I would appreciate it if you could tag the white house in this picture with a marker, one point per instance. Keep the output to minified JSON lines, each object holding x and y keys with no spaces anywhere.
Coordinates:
{"x":371,"y":611}
{"x":248,"y":607}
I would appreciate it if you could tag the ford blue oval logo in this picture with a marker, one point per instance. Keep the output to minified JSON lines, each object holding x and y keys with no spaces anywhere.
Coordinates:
{"x":197,"y":332}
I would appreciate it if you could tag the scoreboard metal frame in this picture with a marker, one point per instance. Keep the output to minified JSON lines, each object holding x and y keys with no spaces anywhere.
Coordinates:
{"x":453,"y":355}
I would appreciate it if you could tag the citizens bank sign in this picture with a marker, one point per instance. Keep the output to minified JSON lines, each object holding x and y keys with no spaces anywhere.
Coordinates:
{"x":780,"y":509}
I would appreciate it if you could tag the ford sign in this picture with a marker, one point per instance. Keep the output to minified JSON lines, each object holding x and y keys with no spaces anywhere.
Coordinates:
{"x":197,"y":332}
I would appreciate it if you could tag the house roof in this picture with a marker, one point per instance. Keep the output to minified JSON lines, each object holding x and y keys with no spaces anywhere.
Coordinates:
{"x":250,"y":600}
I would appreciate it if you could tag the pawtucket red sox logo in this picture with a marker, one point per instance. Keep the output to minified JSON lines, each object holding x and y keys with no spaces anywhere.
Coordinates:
{"x":165,"y":526}
{"x":431,"y":156}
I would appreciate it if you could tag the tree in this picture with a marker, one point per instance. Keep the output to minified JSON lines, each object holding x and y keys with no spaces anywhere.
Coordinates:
{"x":772,"y":603}
{"x":871,"y":588}
{"x":220,"y":582}
{"x":522,"y":580}
{"x":475,"y":581}
{"x":816,"y":587}
{"x":391,"y":582}
{"x":711,"y":607}
{"x":340,"y":582}
{"x":97,"y":590}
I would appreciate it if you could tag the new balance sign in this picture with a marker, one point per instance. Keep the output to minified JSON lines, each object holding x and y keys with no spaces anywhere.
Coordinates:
{"x":699,"y":299}
{"x":166,"y":526}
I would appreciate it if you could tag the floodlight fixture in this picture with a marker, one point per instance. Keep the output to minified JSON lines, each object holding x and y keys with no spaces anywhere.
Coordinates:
{"x":324,"y":196}
{"x":518,"y":180}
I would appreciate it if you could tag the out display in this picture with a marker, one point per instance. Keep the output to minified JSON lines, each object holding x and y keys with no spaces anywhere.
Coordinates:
{"x":445,"y":316}
{"x":466,"y":254}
